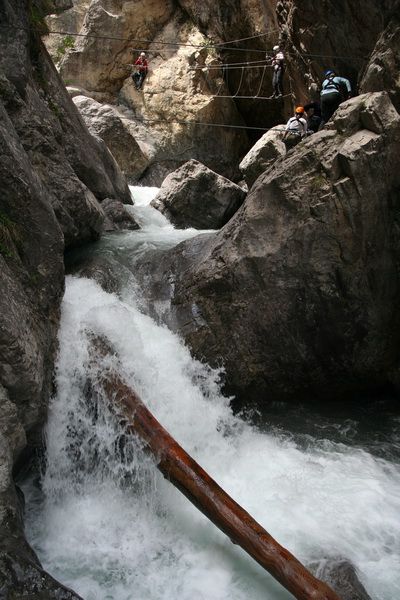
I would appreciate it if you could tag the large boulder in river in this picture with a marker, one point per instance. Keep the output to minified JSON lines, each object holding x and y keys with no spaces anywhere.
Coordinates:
{"x":117,"y":215}
{"x":341,"y":575}
{"x":264,"y":152}
{"x":298,"y":294}
{"x":195,"y":196}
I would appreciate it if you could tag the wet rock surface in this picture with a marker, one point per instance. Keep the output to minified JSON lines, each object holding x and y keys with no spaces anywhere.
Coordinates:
{"x":22,"y":577}
{"x":118,"y":216}
{"x":341,"y":576}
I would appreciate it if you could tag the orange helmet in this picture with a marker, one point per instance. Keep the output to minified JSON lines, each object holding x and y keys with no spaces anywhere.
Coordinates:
{"x":299,"y":110}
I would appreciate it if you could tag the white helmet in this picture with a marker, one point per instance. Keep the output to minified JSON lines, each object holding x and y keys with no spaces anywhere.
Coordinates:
{"x":143,"y":54}
{"x":275,"y":48}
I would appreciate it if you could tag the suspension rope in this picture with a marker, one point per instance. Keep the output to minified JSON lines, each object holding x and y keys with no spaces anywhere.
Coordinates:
{"x":182,"y":122}
{"x":211,"y":84}
{"x":252,"y":37}
{"x":255,"y":97}
{"x":240,"y":83}
{"x":222,"y":84}
{"x":252,"y":64}
{"x":176,"y":44}
{"x":123,"y":39}
{"x":261,"y":82}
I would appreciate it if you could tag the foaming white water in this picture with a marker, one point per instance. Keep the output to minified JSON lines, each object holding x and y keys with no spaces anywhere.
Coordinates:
{"x":151,"y":220}
{"x":113,"y":529}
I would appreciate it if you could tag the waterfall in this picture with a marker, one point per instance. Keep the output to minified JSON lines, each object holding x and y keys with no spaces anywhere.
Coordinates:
{"x":106,"y":523}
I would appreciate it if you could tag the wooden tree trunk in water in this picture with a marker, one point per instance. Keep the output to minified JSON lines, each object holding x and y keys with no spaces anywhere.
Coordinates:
{"x":181,"y":470}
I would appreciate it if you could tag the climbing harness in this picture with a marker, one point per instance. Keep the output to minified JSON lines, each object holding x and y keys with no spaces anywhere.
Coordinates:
{"x":331,"y":85}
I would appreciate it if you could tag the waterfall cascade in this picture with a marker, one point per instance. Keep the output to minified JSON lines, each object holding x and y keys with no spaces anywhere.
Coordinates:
{"x":107,"y":524}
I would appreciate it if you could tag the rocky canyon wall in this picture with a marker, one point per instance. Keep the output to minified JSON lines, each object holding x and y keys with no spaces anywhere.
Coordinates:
{"x":188,"y":85}
{"x":361,"y":43}
{"x":53,"y":177}
{"x":297,"y":295}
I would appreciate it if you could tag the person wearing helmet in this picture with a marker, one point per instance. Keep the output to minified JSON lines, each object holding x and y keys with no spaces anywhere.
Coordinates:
{"x":314,"y":118}
{"x":334,"y":91}
{"x":278,"y":64}
{"x":296,"y":128}
{"x":142,"y":68}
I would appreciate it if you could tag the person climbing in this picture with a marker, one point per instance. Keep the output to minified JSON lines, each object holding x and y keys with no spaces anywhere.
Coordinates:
{"x":142,"y":67}
{"x":314,"y":118}
{"x":334,"y":91}
{"x":296,"y":128}
{"x":278,"y":64}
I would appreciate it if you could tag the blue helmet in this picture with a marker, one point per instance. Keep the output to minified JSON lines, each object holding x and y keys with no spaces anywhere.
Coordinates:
{"x":329,"y":72}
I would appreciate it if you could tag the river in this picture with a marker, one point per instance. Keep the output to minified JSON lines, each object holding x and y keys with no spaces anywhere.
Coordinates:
{"x":104,"y":521}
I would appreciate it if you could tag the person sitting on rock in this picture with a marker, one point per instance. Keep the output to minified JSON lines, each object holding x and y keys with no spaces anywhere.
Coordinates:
{"x":142,"y":67}
{"x":296,"y":128}
{"x":314,"y":118}
{"x":278,"y":63}
{"x":333,"y":92}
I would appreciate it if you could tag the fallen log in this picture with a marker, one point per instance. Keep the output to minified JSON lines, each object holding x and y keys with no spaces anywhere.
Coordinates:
{"x":181,"y":470}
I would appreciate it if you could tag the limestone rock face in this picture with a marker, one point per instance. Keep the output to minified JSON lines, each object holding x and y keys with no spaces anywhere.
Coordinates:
{"x":176,"y":110}
{"x":186,"y":88}
{"x":264,"y":152}
{"x":382,"y":71}
{"x":53,"y":174}
{"x":195,"y":196}
{"x":313,"y":32}
{"x":76,"y":169}
{"x":297,"y":294}
{"x":69,"y":20}
{"x":103,"y":121}
{"x":102,"y":62}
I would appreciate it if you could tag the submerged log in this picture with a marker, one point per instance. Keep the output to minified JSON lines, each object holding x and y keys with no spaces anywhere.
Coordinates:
{"x":181,"y":470}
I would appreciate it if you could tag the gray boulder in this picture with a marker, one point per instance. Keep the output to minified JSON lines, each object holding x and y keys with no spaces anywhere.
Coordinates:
{"x":117,"y":216}
{"x":341,"y":576}
{"x":297,"y":294}
{"x":264,"y":153}
{"x":195,"y":196}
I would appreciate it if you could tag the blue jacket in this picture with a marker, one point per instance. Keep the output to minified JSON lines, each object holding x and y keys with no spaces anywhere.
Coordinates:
{"x":332,"y":84}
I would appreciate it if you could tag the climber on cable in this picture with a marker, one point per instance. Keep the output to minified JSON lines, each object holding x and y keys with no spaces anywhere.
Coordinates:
{"x":334,"y":91}
{"x":278,"y":63}
{"x":142,"y":68}
{"x":296,"y":128}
